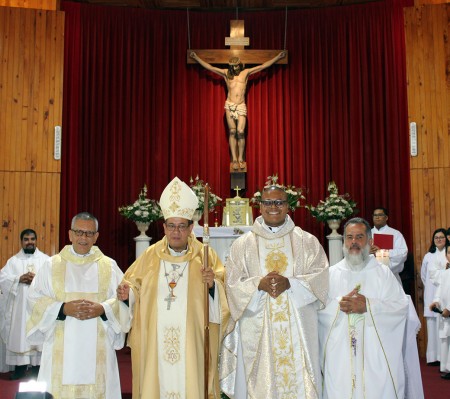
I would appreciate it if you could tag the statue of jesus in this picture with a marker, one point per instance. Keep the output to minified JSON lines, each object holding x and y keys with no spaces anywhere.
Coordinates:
{"x":236,"y":77}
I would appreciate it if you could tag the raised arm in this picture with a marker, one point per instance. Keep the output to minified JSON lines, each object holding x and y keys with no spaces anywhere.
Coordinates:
{"x":209,"y":67}
{"x":267,"y":64}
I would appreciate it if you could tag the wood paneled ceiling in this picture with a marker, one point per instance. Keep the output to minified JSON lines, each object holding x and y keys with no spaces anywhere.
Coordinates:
{"x":218,"y":5}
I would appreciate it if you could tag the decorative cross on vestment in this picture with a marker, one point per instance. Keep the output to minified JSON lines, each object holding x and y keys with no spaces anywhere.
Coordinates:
{"x":236,"y":41}
{"x":169,"y":300}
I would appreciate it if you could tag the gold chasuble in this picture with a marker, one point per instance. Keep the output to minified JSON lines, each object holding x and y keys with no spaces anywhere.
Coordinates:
{"x":271,"y":347}
{"x":167,"y":331}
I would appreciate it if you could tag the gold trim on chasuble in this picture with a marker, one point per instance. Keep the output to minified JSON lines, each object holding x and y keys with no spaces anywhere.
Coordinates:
{"x":98,"y":389}
{"x":280,"y":316}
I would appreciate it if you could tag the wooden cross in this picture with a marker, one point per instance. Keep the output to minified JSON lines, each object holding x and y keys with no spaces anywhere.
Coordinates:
{"x":236,"y":41}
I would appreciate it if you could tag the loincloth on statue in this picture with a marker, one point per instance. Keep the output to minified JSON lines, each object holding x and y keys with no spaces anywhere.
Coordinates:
{"x":236,"y":109}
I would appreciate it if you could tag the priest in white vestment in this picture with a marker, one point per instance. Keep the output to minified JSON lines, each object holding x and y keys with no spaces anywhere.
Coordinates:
{"x":442,"y":302}
{"x":399,"y":252}
{"x":165,"y":292}
{"x":15,"y":279}
{"x":276,"y":280}
{"x":75,"y":315}
{"x":362,"y":328}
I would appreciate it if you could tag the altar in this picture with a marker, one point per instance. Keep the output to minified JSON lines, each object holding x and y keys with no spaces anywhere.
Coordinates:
{"x":221,"y":238}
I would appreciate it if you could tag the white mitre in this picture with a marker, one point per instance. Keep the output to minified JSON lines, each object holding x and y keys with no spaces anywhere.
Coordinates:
{"x":178,"y":200}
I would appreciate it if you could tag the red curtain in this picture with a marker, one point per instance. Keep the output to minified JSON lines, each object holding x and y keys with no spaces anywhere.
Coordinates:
{"x":135,"y":112}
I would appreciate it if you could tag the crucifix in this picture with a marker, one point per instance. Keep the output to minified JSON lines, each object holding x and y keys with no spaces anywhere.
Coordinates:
{"x":169,"y":299}
{"x":236,"y":77}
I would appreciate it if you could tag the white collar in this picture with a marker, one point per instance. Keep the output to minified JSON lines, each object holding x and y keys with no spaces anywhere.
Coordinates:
{"x":273,"y":229}
{"x":175,"y":253}
{"x":80,"y":255}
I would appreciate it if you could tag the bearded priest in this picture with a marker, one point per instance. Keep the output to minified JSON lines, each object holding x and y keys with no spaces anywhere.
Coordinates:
{"x":362,"y":328}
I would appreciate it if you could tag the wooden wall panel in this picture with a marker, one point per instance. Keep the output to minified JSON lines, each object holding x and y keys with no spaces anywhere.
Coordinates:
{"x":31,"y":81}
{"x":27,"y":202}
{"x":36,"y":4}
{"x":428,"y":73}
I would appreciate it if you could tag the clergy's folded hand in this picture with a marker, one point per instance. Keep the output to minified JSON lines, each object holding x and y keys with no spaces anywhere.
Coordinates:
{"x":353,"y":303}
{"x":83,"y":309}
{"x":274,"y":284}
{"x":26,"y":278}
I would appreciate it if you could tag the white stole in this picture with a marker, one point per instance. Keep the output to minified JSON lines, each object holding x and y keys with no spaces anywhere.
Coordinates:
{"x":80,"y":336}
{"x":171,"y":329}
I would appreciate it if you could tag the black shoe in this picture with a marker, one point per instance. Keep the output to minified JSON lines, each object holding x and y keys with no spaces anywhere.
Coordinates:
{"x":436,"y":363}
{"x":19,"y":372}
{"x":34,"y":371}
{"x":445,"y":376}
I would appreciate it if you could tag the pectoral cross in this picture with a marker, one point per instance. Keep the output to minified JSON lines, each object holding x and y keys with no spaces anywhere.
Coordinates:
{"x":170,"y":298}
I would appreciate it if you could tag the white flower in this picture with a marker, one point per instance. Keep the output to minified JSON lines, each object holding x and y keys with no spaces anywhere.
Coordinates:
{"x":198,"y":187}
{"x":143,"y":210}
{"x":335,"y":206}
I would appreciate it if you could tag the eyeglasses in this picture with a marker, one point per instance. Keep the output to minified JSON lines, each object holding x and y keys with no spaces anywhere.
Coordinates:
{"x":277,"y":203}
{"x":439,"y":238}
{"x":378,"y":215}
{"x":181,"y":227}
{"x":81,"y":233}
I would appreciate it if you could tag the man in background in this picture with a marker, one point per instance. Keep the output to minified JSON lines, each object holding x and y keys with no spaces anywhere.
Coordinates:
{"x":15,"y":279}
{"x":399,"y":251}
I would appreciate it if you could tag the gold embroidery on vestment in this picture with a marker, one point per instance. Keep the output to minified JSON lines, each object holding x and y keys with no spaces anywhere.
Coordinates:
{"x":276,"y":261}
{"x":172,"y":345}
{"x":283,"y":351}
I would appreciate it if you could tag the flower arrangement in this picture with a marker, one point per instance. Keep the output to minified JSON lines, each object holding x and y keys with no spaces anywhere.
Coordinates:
{"x":335,"y":206}
{"x":294,"y":194}
{"x":143,"y":210}
{"x":198,"y":187}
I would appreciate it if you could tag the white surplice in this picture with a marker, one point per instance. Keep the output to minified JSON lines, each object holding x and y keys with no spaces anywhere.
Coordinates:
{"x":14,"y":302}
{"x":443,"y":297}
{"x":432,"y":265}
{"x":78,"y":357}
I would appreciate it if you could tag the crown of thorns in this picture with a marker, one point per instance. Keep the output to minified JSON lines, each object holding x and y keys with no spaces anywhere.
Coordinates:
{"x":234,"y":61}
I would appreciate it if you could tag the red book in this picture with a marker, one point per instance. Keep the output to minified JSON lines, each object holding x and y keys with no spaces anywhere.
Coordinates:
{"x":383,"y":241}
